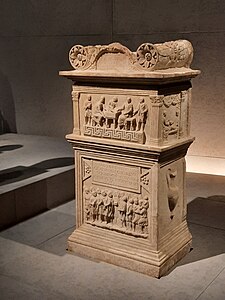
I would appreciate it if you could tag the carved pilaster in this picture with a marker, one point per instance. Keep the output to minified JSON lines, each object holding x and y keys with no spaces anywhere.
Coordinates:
{"x":156,"y":134}
{"x":189,"y":101}
{"x":76,"y":112}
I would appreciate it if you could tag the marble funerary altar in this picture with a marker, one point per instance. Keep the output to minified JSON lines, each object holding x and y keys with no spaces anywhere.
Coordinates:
{"x":131,"y":133}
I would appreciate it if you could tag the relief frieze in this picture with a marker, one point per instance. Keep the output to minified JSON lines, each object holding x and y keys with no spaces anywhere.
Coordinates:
{"x":130,"y":118}
{"x":116,"y":119}
{"x":116,"y":210}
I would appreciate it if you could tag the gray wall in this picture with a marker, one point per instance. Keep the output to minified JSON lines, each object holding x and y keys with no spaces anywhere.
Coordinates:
{"x":35,"y":37}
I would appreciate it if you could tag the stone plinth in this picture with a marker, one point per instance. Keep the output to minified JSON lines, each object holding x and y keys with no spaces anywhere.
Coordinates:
{"x":131,"y":133}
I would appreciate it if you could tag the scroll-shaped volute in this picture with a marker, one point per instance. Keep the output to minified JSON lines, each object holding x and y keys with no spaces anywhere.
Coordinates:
{"x":148,"y":57}
{"x":174,"y":54}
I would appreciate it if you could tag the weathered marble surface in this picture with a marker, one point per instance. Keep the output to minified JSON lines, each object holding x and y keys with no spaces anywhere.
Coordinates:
{"x":131,"y":133}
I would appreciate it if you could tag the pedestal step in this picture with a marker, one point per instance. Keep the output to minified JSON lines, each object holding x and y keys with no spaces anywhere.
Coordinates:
{"x":36,"y":173}
{"x":131,"y":252}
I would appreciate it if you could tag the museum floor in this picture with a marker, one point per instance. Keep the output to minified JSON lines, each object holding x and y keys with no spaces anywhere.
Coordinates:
{"x":34,"y":263}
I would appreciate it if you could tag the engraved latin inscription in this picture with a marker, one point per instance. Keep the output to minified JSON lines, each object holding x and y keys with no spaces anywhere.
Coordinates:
{"x":116,"y":175}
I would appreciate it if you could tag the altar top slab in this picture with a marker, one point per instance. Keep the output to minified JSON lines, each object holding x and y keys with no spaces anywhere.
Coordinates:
{"x":146,"y":78}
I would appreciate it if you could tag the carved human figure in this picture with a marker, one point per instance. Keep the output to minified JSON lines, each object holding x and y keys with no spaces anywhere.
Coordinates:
{"x":129,"y":213}
{"x":112,"y":106}
{"x":115,"y":207}
{"x":105,"y":202}
{"x":143,"y":221}
{"x":122,"y":208}
{"x":88,"y":111}
{"x":112,"y":113}
{"x":98,"y":115}
{"x":141,"y":115}
{"x":108,"y":207}
{"x":136,"y":210}
{"x":93,"y":203}
{"x":173,"y":190}
{"x":126,"y":112}
{"x":170,"y":126}
{"x":87,"y":206}
{"x":100,"y":205}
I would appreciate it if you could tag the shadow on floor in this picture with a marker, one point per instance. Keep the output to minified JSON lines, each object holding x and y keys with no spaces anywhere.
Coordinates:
{"x":206,"y":221}
{"x":10,"y":147}
{"x":55,"y":163}
{"x":208,"y":230}
{"x":19,"y":173}
{"x":52,"y":229}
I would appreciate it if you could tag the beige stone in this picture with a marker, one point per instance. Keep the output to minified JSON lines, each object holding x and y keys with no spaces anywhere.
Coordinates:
{"x":131,"y":133}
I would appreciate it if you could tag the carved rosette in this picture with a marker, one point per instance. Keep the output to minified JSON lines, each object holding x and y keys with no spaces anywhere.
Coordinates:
{"x":78,"y":56}
{"x":147,"y":56}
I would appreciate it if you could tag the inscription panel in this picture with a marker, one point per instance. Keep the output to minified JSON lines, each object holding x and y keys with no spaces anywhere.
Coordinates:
{"x":116,"y":175}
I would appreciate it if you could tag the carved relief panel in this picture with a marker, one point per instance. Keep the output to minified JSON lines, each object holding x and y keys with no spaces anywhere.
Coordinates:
{"x":174,"y":116}
{"x":171,"y":117}
{"x":116,"y":196}
{"x":172,"y":205}
{"x":112,"y":116}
